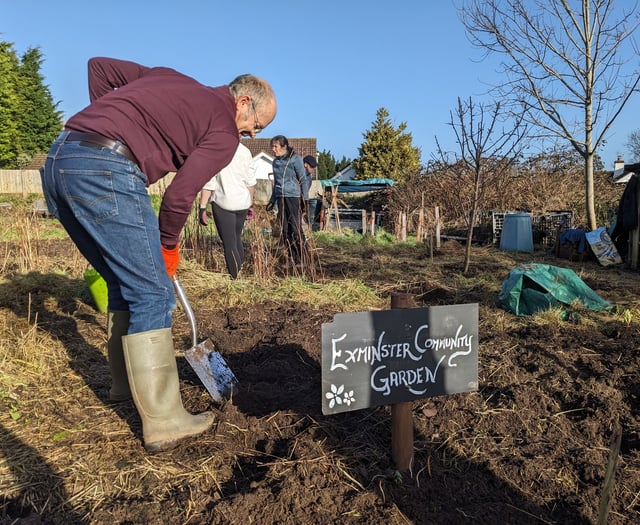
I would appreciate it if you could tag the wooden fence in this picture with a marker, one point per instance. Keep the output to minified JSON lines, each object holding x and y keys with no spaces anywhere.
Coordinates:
{"x":21,"y":182}
{"x":25,"y":182}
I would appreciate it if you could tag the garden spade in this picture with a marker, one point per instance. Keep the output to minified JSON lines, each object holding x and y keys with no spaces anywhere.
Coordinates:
{"x":208,"y":364}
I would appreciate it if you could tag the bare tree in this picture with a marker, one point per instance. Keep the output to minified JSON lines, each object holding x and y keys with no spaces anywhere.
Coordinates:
{"x":563,"y":66}
{"x":633,"y":143}
{"x":488,"y":147}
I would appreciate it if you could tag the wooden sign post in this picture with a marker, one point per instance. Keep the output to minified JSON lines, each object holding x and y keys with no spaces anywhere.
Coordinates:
{"x":401,"y":418}
{"x":397,"y":356}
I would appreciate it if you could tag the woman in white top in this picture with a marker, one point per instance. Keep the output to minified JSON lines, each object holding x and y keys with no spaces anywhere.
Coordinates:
{"x":230,"y":192}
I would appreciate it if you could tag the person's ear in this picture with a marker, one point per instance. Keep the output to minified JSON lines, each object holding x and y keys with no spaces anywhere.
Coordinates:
{"x":243,"y":100}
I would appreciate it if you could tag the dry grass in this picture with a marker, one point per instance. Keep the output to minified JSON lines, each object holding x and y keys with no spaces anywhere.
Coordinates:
{"x":48,"y":379}
{"x":337,"y":295}
{"x":265,"y":255}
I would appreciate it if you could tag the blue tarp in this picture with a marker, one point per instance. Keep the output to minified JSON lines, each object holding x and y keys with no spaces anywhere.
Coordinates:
{"x":354,"y":186}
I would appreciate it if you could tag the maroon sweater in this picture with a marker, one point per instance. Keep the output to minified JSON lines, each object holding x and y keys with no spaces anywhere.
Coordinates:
{"x":169,"y":121}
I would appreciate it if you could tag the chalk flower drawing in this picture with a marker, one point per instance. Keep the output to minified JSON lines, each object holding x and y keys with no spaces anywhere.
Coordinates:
{"x":334,"y":396}
{"x":349,"y":398}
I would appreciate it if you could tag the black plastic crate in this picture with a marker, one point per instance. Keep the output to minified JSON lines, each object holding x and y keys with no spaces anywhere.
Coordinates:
{"x":544,"y":227}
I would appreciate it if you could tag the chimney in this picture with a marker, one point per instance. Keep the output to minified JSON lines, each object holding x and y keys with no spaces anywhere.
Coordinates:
{"x":618,"y":164}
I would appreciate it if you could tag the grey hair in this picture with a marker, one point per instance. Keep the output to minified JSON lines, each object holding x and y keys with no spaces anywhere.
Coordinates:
{"x":258,"y":89}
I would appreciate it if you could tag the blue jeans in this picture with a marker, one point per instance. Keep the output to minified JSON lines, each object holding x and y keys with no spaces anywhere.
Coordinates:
{"x":101,"y":200}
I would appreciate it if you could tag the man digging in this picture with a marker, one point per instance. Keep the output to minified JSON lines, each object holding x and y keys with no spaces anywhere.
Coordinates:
{"x":142,"y":123}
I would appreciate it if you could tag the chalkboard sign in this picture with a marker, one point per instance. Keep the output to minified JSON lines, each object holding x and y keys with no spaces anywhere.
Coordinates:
{"x":392,"y":356}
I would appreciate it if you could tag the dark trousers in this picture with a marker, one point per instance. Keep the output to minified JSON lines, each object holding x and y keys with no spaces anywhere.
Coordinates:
{"x":290,"y":217}
{"x":229,"y":225}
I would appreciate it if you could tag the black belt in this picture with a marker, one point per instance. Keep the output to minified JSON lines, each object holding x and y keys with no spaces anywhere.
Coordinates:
{"x":104,"y":142}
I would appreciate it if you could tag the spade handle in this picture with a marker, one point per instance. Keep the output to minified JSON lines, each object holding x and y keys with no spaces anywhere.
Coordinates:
{"x":182,"y":297}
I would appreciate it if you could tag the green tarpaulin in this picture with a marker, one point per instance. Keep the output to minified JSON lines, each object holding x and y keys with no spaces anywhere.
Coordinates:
{"x":532,"y":288}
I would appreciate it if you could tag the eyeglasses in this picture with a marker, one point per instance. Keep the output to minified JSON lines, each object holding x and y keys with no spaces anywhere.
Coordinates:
{"x":257,"y":127}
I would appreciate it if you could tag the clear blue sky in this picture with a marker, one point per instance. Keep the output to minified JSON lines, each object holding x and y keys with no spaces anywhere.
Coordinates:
{"x":332,"y":63}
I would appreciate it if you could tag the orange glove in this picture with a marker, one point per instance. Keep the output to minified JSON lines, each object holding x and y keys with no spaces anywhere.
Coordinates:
{"x":171,"y":258}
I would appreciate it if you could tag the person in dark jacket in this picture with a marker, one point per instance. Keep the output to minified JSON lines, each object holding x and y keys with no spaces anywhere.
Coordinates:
{"x":141,"y":124}
{"x":310,"y":165}
{"x":290,"y":184}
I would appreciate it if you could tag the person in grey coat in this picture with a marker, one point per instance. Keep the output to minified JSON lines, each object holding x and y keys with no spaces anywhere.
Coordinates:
{"x":290,"y":184}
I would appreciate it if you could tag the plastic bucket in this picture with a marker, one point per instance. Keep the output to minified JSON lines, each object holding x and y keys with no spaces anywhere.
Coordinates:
{"x":98,"y":288}
{"x":516,"y":235}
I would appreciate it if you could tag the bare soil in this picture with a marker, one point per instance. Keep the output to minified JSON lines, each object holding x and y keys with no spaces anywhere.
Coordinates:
{"x":530,"y":446}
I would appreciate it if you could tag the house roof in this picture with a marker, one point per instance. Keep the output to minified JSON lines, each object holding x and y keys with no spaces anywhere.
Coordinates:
{"x":623,"y":174}
{"x":346,"y":173}
{"x":302,"y":146}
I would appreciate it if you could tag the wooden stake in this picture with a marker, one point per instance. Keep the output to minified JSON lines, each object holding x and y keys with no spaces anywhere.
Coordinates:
{"x":431,"y":247}
{"x":609,"y":477}
{"x":334,"y":208}
{"x":401,"y":415}
{"x":437,"y":228}
{"x":419,"y":233}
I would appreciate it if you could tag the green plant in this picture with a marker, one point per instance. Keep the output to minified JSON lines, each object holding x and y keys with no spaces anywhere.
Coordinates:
{"x":14,"y":413}
{"x":625,"y":315}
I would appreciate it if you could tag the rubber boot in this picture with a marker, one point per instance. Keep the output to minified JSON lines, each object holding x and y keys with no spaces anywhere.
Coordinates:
{"x":153,"y":378}
{"x":117,"y":326}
